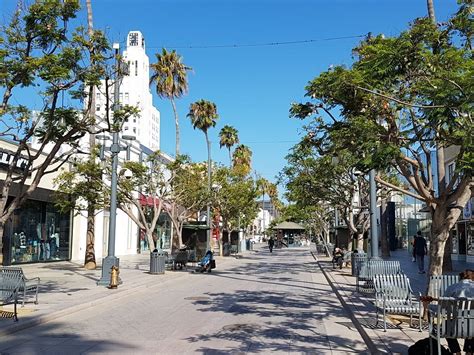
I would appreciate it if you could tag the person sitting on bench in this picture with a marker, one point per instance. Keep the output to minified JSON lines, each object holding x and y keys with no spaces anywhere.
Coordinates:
{"x":205,"y":263}
{"x":338,"y":257}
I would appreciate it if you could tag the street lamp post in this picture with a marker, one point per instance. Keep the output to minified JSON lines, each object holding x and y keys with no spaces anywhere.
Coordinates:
{"x":111,"y":260}
{"x":374,"y":237}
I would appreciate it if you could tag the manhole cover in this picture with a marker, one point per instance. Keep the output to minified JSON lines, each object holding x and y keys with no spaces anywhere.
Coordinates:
{"x":197,"y":298}
{"x":247,"y":328}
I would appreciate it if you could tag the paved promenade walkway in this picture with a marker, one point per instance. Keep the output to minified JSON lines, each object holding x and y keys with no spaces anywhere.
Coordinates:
{"x":290,"y":301}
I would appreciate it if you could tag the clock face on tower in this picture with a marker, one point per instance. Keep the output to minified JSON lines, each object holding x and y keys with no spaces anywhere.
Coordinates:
{"x":133,"y":39}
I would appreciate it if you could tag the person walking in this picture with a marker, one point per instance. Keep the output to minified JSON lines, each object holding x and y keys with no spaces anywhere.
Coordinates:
{"x":271,"y":243}
{"x":420,"y":250}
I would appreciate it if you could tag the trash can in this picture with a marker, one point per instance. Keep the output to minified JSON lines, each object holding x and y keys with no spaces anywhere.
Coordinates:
{"x":226,"y":249}
{"x":157,"y":262}
{"x":356,"y":261}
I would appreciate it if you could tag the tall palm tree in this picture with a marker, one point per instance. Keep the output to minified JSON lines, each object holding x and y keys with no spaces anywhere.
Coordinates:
{"x":203,"y":115}
{"x":170,"y":77}
{"x":242,"y":159}
{"x":228,"y":137}
{"x":431,"y":12}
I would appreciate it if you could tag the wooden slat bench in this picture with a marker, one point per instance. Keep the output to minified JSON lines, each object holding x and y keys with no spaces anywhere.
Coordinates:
{"x":393,"y":295}
{"x":9,"y":285}
{"x":373,"y":267}
{"x":26,"y":285}
{"x":452,"y":318}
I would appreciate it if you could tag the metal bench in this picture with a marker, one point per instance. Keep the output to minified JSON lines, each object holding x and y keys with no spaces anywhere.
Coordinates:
{"x":393,"y":295}
{"x":234,"y":249}
{"x":452,"y":318}
{"x":439,"y":284}
{"x":372,"y":267}
{"x":26,"y":285}
{"x":178,"y":260}
{"x":9,"y":285}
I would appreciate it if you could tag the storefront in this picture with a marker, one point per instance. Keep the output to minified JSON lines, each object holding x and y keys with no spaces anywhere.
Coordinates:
{"x":36,"y":232}
{"x":462,"y":236}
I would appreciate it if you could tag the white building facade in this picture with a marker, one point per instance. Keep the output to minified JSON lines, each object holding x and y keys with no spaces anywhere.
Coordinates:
{"x":134,"y":91}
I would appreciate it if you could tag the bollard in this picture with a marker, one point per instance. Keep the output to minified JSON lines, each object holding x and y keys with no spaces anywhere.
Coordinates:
{"x":114,"y":272}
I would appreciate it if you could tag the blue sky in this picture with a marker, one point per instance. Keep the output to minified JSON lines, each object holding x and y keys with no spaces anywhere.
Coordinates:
{"x":252,"y":86}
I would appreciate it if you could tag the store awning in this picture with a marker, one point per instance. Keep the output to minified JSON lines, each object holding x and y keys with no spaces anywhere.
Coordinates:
{"x":289,"y":226}
{"x":195,"y":226}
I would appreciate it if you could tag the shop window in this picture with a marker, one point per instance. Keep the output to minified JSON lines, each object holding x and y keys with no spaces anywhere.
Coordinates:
{"x":38,"y":232}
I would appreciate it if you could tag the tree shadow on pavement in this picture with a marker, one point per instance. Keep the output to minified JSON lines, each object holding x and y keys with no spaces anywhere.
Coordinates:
{"x":287,"y":321}
{"x":54,"y":338}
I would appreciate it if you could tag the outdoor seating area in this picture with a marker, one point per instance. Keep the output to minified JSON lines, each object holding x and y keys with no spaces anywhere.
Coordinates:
{"x":9,"y":285}
{"x":384,"y":287}
{"x":177,"y":261}
{"x":393,"y":294}
{"x":453,"y":318}
{"x":370,"y":268}
{"x":26,"y":286}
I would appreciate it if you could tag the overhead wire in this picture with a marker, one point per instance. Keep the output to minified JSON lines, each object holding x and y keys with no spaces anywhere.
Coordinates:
{"x":264,"y":44}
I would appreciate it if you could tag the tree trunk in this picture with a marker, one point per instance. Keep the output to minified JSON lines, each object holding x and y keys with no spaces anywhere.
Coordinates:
{"x":448,"y":249}
{"x":176,"y":123}
{"x":151,"y":242}
{"x":89,"y":261}
{"x":431,"y":12}
{"x":383,"y":227}
{"x":2,"y":225}
{"x":443,"y":221}
{"x":209,"y":214}
{"x":360,"y":242}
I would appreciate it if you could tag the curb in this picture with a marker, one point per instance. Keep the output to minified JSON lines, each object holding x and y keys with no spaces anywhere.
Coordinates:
{"x":370,"y":344}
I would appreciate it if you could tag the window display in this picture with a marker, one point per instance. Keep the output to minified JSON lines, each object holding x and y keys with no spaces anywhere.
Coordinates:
{"x":38,"y":233}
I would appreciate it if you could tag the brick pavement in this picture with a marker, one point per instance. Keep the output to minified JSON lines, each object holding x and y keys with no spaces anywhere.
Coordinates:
{"x":260,"y":303}
{"x":67,"y":290}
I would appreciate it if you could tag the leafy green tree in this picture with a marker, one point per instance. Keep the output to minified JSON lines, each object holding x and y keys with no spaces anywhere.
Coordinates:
{"x":81,"y":186}
{"x":141,"y":192}
{"x":242,"y":159}
{"x":170,"y":77}
{"x":398,"y":101}
{"x":40,"y":50}
{"x":314,"y":180}
{"x":234,"y":197}
{"x":188,"y":195}
{"x":228,"y":137}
